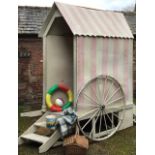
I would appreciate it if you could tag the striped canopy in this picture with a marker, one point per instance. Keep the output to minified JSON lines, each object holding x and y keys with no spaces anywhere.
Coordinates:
{"x":91,"y":22}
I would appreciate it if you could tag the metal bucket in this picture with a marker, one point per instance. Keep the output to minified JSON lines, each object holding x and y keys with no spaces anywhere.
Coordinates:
{"x":51,"y":121}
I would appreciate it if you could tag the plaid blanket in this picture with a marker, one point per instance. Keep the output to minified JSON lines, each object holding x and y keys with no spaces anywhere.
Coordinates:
{"x":67,"y":121}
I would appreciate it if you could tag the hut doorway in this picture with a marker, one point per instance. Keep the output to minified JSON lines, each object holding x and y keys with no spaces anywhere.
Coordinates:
{"x":59,"y":56}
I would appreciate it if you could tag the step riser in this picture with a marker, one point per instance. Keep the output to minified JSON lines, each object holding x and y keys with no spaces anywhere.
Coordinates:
{"x":40,"y":124}
{"x":36,"y":138}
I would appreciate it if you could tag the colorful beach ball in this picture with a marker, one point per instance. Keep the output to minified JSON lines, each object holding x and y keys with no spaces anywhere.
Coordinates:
{"x":59,"y":102}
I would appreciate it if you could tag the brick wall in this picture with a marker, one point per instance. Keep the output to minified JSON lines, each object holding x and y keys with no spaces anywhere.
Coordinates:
{"x":30,"y":70}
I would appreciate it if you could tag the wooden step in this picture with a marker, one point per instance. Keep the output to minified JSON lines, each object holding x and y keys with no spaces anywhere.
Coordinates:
{"x":31,"y":113}
{"x":35,"y":137}
{"x":52,"y":140}
{"x":40,"y":124}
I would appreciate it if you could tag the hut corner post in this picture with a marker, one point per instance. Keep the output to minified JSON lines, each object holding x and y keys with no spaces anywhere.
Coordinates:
{"x":43,"y":108}
{"x":75,"y":68}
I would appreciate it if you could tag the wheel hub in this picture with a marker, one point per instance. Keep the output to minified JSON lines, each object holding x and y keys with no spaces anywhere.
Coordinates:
{"x":102,"y":107}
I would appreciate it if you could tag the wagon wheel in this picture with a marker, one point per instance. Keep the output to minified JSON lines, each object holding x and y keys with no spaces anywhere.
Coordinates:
{"x":100,"y":105}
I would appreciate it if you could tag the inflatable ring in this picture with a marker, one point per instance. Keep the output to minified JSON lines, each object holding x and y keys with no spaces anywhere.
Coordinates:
{"x":51,"y":91}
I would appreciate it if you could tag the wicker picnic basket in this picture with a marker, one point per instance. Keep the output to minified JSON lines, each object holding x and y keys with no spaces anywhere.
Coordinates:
{"x":76,"y":144}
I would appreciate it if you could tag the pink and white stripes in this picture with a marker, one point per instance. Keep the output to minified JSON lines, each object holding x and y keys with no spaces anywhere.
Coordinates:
{"x":106,"y":56}
{"x":93,"y":22}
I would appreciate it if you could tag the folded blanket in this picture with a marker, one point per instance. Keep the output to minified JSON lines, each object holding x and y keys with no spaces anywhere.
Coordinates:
{"x":67,"y":121}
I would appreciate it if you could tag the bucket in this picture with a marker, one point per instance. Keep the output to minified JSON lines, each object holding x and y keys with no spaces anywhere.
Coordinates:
{"x":51,"y":121}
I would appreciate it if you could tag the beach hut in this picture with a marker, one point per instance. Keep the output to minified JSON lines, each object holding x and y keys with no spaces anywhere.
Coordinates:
{"x":91,"y":51}
{"x":81,"y":43}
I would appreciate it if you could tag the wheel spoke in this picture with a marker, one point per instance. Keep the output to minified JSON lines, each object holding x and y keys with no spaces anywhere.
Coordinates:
{"x":94,"y":123}
{"x":100,"y":121}
{"x":90,"y":99}
{"x":116,"y":100}
{"x":105,"y":82}
{"x":103,"y":90}
{"x":97,"y":119}
{"x":112,"y":126}
{"x":97,"y":116}
{"x":90,"y":119}
{"x":94,"y":93}
{"x":98,"y":91}
{"x":109,"y":91}
{"x":105,"y":123}
{"x":108,"y":117}
{"x":88,"y":114}
{"x":112,"y":95}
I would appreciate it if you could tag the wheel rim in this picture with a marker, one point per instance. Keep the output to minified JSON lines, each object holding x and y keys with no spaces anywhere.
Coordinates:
{"x":103,"y":96}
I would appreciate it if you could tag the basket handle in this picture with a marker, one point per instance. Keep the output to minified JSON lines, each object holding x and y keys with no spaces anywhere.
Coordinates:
{"x":77,"y":131}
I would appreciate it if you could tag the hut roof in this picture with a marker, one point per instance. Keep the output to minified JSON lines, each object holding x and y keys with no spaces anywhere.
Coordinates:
{"x":91,"y":22}
{"x":31,"y":19}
